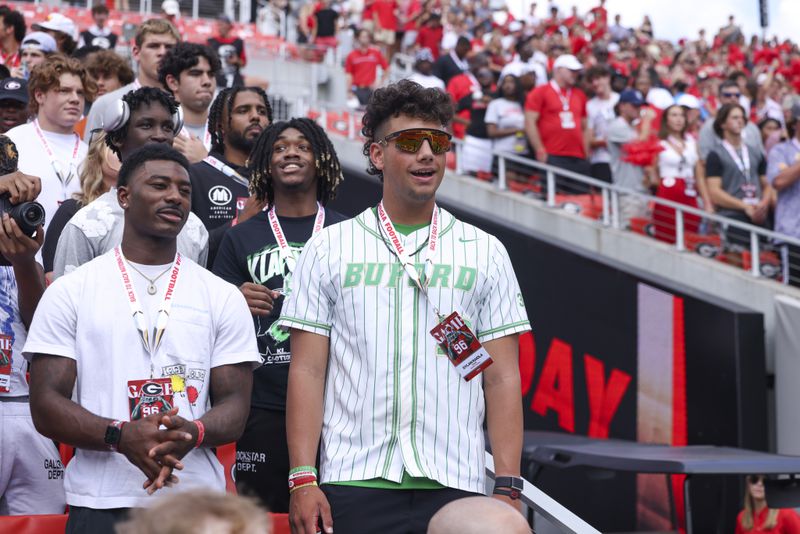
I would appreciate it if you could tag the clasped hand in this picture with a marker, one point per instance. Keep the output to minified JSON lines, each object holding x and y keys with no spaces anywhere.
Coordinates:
{"x":157,"y":451}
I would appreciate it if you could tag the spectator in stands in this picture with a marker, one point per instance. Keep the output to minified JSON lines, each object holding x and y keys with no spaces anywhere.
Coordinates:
{"x":97,"y":227}
{"x":600,"y":113}
{"x":677,"y":168}
{"x":423,"y":70}
{"x":199,"y":511}
{"x":524,"y":64}
{"x":505,"y":125}
{"x":453,"y":63}
{"x":771,"y":133}
{"x":736,"y":176}
{"x":99,"y":34}
{"x":462,"y":85}
{"x":295,"y":172}
{"x":48,"y":146}
{"x":476,"y":156}
{"x":323,"y":34}
{"x":758,"y":517}
{"x":31,"y":480}
{"x":691,"y":105}
{"x":189,"y":72}
{"x":617,"y":32}
{"x":220,"y":182}
{"x":35,"y":48}
{"x":203,"y":370}
{"x":13,"y":103}
{"x":728,"y":93}
{"x":631,"y":125}
{"x":477,"y":515}
{"x":13,"y":33}
{"x":556,"y":123}
{"x":62,"y":29}
{"x":171,"y":9}
{"x":384,"y":17}
{"x":361,"y":67}
{"x":783,"y":173}
{"x":109,"y":71}
{"x":429,"y":36}
{"x":153,"y":39}
{"x":230,"y":51}
{"x":98,"y":174}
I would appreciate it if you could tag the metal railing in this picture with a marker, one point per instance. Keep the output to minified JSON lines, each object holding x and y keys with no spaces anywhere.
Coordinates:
{"x":547,"y":507}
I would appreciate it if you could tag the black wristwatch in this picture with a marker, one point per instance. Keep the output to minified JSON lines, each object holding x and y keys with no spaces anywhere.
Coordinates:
{"x":113,"y":435}
{"x":509,"y":486}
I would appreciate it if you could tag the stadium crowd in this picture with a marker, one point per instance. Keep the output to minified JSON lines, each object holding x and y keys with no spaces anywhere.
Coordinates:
{"x":173,"y":169}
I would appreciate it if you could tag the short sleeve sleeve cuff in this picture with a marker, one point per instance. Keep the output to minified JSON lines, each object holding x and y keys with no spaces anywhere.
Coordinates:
{"x":286,"y":323}
{"x":502,"y":331}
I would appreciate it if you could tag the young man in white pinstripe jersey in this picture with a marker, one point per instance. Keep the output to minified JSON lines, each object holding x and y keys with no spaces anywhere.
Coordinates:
{"x":401,"y":425}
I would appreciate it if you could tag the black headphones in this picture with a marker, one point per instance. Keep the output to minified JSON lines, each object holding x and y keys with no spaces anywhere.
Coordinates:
{"x":116,"y":115}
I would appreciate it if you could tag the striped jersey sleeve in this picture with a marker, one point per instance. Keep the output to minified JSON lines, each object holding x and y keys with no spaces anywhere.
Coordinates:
{"x":308,"y":305}
{"x":503,"y":312}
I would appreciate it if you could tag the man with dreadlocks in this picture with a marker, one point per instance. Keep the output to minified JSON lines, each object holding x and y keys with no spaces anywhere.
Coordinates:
{"x":97,"y":227}
{"x":219,"y":183}
{"x":295,"y":169}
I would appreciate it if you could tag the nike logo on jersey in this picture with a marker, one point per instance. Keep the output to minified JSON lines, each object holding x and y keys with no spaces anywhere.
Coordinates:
{"x":390,"y":274}
{"x":462,"y":240}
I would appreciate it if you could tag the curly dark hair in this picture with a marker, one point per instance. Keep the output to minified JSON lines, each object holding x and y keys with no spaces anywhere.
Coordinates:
{"x":224,"y":101}
{"x":135,"y":100}
{"x":402,"y":98}
{"x":108,"y":62}
{"x":17,"y":20}
{"x":326,"y":161}
{"x":184,"y":56}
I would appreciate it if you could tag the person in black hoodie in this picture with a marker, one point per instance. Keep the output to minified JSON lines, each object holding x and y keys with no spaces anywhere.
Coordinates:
{"x":220,"y":195}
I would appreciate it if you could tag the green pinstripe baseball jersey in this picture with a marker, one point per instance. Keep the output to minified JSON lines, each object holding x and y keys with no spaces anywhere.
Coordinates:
{"x":393,"y":401}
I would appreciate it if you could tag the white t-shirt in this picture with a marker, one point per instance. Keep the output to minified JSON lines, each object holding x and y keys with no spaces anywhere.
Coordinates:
{"x":429,"y":82}
{"x":507,"y":114}
{"x":600,"y":113}
{"x":672,"y":164}
{"x":86,"y":316}
{"x":12,"y":333}
{"x":518,"y":68}
{"x":33,"y":160}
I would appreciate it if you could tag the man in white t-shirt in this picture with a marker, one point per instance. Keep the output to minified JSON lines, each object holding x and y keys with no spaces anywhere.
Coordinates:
{"x":524,"y":63}
{"x":600,"y":111}
{"x":144,"y":337}
{"x":48,"y":145}
{"x":31,"y":473}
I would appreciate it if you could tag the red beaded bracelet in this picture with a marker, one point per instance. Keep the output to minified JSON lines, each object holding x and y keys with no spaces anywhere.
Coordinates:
{"x":201,"y":432}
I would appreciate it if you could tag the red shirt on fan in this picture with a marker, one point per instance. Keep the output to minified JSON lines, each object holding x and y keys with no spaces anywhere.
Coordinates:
{"x":558,"y":141}
{"x":362,"y":65}
{"x":458,"y":87}
{"x":788,"y":522}
{"x":387,"y":17}
{"x":430,"y":37}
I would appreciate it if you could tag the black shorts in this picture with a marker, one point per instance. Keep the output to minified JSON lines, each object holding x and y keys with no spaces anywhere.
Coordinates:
{"x":601,"y":171}
{"x":262,"y":459}
{"x":82,"y":520}
{"x":387,"y":511}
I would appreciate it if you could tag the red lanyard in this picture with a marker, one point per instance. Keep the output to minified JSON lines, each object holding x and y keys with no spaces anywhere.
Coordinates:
{"x":151,"y":346}
{"x":284,"y":249}
{"x":396,"y":246}
{"x":52,"y":156}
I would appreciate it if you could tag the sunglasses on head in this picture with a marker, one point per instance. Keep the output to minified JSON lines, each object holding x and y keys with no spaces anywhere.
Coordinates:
{"x":411,"y":140}
{"x":755,"y":479}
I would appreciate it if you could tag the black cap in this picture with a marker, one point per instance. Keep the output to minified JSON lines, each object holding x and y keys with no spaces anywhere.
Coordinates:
{"x":14,"y":89}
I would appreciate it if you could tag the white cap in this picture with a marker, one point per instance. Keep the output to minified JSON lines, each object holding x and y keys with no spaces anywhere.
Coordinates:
{"x":171,"y":7}
{"x":515,"y":26}
{"x":567,"y":61}
{"x":57,"y":22}
{"x":688,"y":101}
{"x":660,"y":98}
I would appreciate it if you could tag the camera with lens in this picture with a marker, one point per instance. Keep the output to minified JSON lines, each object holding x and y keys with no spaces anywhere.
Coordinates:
{"x":27,"y":215}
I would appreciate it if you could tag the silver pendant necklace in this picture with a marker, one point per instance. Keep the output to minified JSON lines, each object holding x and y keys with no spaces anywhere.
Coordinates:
{"x":151,"y":286}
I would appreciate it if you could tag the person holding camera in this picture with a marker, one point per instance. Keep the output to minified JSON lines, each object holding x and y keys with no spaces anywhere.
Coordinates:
{"x":30,"y":469}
